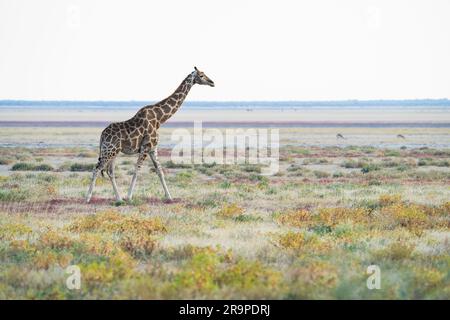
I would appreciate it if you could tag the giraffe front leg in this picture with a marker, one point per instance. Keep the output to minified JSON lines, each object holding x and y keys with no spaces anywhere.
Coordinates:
{"x":159,"y":171}
{"x":138,"y":165}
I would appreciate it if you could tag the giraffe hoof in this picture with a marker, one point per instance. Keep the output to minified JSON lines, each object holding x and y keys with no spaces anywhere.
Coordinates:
{"x":168,"y":200}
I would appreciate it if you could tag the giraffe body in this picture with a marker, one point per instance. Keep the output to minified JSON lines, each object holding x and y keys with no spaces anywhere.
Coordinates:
{"x":139,"y":135}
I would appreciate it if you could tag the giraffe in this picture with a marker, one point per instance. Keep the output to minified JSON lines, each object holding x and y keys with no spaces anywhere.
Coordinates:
{"x":139,"y":135}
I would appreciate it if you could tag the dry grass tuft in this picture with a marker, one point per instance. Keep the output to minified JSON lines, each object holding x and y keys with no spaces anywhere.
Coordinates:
{"x":55,"y":240}
{"x":334,"y":216}
{"x":389,"y":199}
{"x":396,"y":251}
{"x":298,"y":218}
{"x":138,"y":245}
{"x":230,"y":211}
{"x":10,"y":231}
{"x":111,"y":221}
{"x":292,"y":240}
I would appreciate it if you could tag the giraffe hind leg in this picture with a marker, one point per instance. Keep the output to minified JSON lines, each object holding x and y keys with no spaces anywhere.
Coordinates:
{"x":104,"y":162}
{"x":91,"y":187}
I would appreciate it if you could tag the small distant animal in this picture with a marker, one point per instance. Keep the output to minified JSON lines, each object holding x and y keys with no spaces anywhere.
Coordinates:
{"x":400,"y":136}
{"x":340,"y":136}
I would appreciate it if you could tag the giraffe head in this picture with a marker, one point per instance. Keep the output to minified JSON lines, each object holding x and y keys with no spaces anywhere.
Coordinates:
{"x":201,"y":78}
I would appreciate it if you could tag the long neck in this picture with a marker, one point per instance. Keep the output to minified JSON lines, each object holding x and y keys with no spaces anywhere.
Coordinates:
{"x":167,"y":107}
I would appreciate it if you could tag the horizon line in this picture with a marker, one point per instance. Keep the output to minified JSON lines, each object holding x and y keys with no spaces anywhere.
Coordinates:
{"x":6,"y":101}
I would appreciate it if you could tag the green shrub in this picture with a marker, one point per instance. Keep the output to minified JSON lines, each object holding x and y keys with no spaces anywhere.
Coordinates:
{"x":422,"y":163}
{"x":209,"y":165}
{"x":443,"y":163}
{"x":76,"y":167}
{"x":22,"y":166}
{"x":47,"y":177}
{"x":315,"y":161}
{"x":402,"y":167}
{"x":294,"y":167}
{"x":392,"y":153}
{"x":225,"y":184}
{"x":43,"y":167}
{"x":252,"y":168}
{"x":205,"y":170}
{"x":184,"y":177}
{"x":247,"y":218}
{"x":352,"y":164}
{"x":297,"y":150}
{"x":374,"y":182}
{"x":338,"y":174}
{"x":259,"y":178}
{"x":430,"y":162}
{"x":321,"y":229}
{"x":12,"y":195}
{"x":212,"y":200}
{"x":172,"y":165}
{"x":321,"y":174}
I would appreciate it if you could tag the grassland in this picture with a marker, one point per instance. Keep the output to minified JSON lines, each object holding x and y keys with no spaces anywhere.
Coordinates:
{"x":310,"y":231}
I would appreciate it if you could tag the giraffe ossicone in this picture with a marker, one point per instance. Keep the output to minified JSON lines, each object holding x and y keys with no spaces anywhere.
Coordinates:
{"x":139,"y":135}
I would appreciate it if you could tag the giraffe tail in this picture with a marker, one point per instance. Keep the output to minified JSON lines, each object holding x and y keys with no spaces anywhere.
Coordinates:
{"x":99,"y":159}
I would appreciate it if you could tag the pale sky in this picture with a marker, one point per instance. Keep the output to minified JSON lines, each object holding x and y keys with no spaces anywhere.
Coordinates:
{"x":253,"y":50}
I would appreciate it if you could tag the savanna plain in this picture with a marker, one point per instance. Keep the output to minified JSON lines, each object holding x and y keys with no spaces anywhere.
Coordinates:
{"x":310,"y":231}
